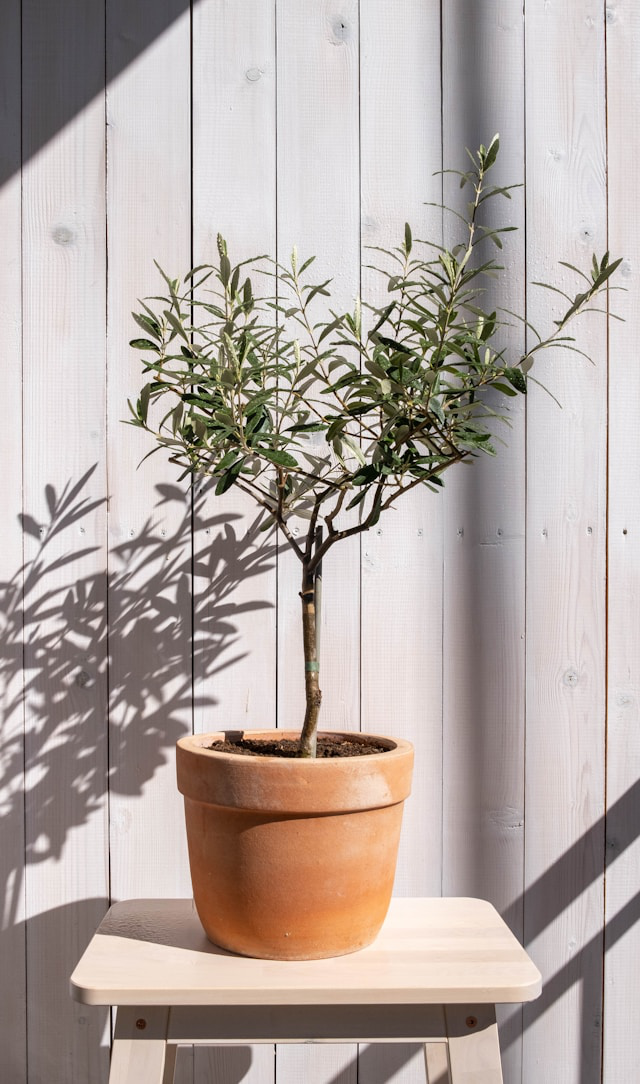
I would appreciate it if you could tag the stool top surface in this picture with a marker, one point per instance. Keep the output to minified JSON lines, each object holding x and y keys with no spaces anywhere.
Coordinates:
{"x":429,"y":951}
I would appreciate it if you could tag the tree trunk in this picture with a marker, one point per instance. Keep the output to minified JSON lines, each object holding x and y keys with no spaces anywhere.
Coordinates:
{"x":308,"y":738}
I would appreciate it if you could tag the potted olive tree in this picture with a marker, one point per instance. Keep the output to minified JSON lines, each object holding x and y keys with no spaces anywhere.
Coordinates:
{"x":330,"y":420}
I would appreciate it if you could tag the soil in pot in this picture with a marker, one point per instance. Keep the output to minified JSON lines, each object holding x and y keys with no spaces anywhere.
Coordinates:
{"x":329,"y":746}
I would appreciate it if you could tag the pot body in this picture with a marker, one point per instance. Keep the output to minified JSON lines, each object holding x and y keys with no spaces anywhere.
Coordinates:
{"x":292,"y":859}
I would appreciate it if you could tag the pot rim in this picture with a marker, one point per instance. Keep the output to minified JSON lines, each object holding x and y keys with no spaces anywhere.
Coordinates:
{"x":294,"y":784}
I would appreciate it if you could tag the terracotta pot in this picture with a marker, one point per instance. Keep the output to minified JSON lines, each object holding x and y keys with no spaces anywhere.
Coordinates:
{"x":292,"y":859}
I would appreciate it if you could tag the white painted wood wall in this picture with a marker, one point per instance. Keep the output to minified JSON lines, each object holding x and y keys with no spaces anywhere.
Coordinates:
{"x":496,"y":626}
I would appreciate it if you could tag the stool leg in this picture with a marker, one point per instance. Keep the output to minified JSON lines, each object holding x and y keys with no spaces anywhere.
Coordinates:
{"x":171,"y":1053}
{"x":474,"y":1049}
{"x":140,"y":1054}
{"x":436,"y":1056}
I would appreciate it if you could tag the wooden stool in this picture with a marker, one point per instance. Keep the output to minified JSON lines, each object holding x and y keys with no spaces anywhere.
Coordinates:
{"x":433,"y":976}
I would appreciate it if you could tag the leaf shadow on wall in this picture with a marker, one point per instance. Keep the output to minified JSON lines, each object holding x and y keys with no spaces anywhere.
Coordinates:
{"x":96,"y":686}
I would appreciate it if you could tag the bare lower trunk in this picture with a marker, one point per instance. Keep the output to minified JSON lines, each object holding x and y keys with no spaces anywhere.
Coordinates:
{"x":313,"y":695}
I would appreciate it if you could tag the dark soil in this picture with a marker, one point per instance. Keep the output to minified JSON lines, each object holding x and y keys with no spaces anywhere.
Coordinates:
{"x":327,"y":747}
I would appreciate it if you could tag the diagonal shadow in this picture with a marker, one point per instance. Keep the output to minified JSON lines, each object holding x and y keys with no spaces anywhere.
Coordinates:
{"x":574,"y":971}
{"x":95,"y":40}
{"x":580,"y":865}
{"x":545,"y":900}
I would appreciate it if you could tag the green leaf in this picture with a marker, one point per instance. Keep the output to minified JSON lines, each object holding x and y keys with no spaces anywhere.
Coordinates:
{"x":400,"y":348}
{"x":176,"y":417}
{"x":355,"y":448}
{"x":504,"y":389}
{"x":277,"y":456}
{"x":176,"y":324}
{"x":516,"y":377}
{"x":148,"y":325}
{"x":228,"y":478}
{"x":382,"y":318}
{"x":143,"y":403}
{"x":247,"y":295}
{"x":143,"y":344}
{"x":228,"y":460}
{"x":435,"y":406}
{"x":375,"y":369}
{"x":196,"y":270}
{"x":606,"y":270}
{"x":225,"y":269}
{"x":358,"y":499}
{"x":365,"y":475}
{"x":492,"y":152}
{"x":307,"y":427}
{"x":328,"y":328}
{"x":318,"y":290}
{"x":408,"y":240}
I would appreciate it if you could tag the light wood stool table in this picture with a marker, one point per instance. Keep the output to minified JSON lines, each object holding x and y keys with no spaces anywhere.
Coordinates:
{"x":434,"y":976}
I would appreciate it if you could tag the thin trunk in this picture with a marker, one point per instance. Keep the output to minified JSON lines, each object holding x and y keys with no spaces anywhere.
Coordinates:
{"x":313,"y":695}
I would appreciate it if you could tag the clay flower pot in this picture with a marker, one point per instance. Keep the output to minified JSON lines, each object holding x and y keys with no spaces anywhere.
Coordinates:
{"x":292,"y":859}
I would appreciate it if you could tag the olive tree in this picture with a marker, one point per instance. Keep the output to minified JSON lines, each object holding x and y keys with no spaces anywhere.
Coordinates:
{"x":333,"y":419}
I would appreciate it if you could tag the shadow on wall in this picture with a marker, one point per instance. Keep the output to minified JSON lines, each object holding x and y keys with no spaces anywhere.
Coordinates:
{"x":71,"y":629}
{"x":77,"y":49}
{"x":70,"y":717}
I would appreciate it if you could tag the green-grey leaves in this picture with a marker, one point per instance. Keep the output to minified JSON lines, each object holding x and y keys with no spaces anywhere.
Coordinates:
{"x":254,"y":379}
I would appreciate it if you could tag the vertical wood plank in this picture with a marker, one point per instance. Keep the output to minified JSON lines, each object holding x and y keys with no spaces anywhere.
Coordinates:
{"x":484,"y":587}
{"x":12,"y":843}
{"x":148,"y":217}
{"x":64,"y":499}
{"x":319,"y":211}
{"x":402,"y":556}
{"x":401,"y":571}
{"x":234,"y":193}
{"x":622,"y":931}
{"x":566,"y":509}
{"x":151,"y":698}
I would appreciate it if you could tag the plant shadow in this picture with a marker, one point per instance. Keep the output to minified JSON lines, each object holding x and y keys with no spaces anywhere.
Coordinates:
{"x":97,"y":664}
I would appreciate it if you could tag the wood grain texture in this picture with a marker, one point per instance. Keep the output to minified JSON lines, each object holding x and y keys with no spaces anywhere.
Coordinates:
{"x":65,"y":529}
{"x":436,"y":1058}
{"x":430,"y":951}
{"x":150,"y":545}
{"x":622,"y":932}
{"x":401,"y":559}
{"x":566,"y":510}
{"x":319,"y":211}
{"x":401,"y":622}
{"x":474,"y":1050}
{"x":484,"y":583}
{"x":149,"y":217}
{"x":12,"y":842}
{"x":234,"y":193}
{"x":360,"y":127}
